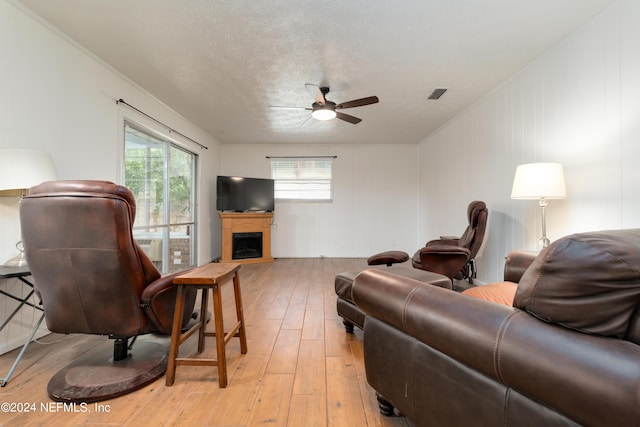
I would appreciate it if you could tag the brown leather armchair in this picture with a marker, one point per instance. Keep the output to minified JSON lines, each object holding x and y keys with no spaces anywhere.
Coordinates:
{"x":454,"y":257}
{"x":93,"y":278}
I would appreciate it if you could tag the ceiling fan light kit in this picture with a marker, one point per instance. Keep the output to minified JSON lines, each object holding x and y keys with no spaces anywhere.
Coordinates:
{"x":323,"y":112}
{"x":322,"y":109}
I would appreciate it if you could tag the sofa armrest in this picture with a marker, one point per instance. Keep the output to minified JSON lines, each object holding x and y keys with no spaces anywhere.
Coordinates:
{"x":445,"y":320}
{"x":566,"y":370}
{"x":516,"y":263}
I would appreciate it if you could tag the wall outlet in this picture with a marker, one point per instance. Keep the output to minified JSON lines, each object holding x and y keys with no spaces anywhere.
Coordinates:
{"x":177,"y":261}
{"x":177,"y":253}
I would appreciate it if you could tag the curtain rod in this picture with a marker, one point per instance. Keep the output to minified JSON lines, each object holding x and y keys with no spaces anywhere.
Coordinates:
{"x":301,"y":157}
{"x":122,"y":101}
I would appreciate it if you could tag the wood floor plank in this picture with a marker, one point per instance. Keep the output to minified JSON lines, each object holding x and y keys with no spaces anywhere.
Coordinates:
{"x":308,"y":410}
{"x":344,"y":402}
{"x":280,"y":303}
{"x":284,"y":357}
{"x":274,"y":398}
{"x":153,"y":413}
{"x":262,"y":337}
{"x":300,"y":293}
{"x":294,"y":317}
{"x":340,"y":343}
{"x":310,"y":370}
{"x":234,"y":406}
{"x":313,"y":325}
{"x":195,"y":408}
{"x":315,"y":299}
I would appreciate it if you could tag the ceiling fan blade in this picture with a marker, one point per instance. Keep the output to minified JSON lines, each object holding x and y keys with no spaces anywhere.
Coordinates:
{"x":358,"y":102}
{"x":307,"y":122}
{"x":348,"y":118}
{"x":284,"y":107}
{"x":316,"y":94}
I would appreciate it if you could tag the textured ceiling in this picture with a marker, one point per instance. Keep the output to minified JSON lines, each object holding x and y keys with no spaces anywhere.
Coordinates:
{"x":221,"y":64}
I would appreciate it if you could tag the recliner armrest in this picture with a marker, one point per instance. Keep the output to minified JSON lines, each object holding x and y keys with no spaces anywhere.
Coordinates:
{"x":158,"y":300}
{"x":444,"y":241}
{"x":444,"y":259}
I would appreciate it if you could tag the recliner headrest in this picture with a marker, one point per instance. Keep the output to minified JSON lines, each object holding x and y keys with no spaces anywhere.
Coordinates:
{"x":473,"y":211}
{"x":88,"y":186}
{"x":588,"y":282}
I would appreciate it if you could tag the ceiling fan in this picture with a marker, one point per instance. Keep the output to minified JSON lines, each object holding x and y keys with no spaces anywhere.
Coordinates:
{"x":323,"y":109}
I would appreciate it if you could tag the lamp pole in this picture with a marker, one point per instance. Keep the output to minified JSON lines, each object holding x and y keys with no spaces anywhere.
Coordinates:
{"x":544,"y":240}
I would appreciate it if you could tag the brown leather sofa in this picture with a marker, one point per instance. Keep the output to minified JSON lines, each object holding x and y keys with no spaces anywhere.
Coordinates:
{"x":566,"y":353}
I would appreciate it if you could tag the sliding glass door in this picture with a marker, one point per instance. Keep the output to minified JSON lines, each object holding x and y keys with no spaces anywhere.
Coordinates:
{"x":162,"y":177}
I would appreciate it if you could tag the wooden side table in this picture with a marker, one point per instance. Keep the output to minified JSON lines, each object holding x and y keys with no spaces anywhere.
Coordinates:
{"x":210,"y":276}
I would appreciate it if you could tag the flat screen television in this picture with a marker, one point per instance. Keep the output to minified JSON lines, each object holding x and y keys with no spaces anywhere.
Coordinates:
{"x":240,"y":194}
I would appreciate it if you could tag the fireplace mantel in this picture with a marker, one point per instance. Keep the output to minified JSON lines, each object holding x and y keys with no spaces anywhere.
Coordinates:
{"x":246,"y":222}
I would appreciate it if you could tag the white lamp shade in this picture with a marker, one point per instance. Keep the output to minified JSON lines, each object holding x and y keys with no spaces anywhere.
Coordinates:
{"x":539,"y":181}
{"x":22,"y":169}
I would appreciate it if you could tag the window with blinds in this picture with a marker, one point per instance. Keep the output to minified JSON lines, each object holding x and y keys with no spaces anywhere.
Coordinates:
{"x":302,"y":178}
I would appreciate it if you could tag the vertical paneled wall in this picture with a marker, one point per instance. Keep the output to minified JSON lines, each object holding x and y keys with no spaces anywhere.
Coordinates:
{"x":577,"y":104}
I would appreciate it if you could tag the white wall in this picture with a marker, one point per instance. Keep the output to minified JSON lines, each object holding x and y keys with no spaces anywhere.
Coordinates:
{"x":374,"y":199}
{"x":56,"y":97}
{"x":578,"y":104}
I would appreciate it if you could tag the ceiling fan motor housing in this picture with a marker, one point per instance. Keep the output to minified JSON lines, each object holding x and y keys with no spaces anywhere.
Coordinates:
{"x":328,"y":105}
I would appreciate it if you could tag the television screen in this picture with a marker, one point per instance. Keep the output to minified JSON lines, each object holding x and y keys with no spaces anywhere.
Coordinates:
{"x":241,"y":194}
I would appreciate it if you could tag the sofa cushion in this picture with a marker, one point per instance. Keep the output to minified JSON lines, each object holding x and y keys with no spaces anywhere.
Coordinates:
{"x":499,"y":292}
{"x":586,"y":281}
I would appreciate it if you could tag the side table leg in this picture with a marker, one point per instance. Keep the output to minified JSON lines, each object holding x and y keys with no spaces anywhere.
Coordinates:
{"x":204,"y":304}
{"x":175,"y":335}
{"x":5,"y":380}
{"x":220,"y":345}
{"x":240,"y":314}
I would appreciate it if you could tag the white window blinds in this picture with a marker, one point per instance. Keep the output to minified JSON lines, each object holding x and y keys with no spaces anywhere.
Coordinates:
{"x":302,"y":178}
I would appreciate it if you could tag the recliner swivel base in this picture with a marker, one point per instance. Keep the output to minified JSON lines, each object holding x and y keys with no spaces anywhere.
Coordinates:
{"x":96,"y":377}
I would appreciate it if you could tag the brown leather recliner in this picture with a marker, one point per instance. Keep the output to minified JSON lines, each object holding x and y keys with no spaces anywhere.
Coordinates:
{"x":455,"y":256}
{"x":93,"y":278}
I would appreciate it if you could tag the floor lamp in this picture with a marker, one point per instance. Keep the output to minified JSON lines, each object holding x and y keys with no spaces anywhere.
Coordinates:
{"x":539,"y":181}
{"x":20,"y":170}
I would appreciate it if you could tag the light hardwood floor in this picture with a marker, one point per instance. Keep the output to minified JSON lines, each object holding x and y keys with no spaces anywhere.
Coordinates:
{"x":301,"y":369}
